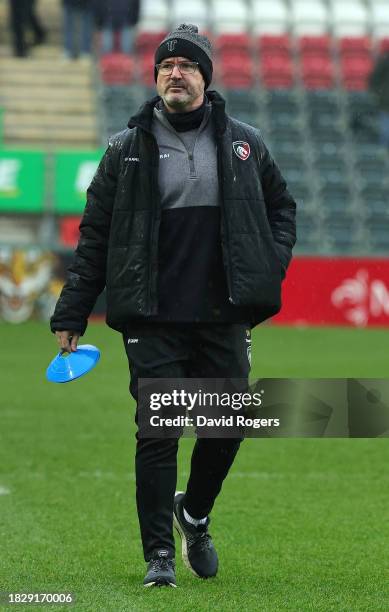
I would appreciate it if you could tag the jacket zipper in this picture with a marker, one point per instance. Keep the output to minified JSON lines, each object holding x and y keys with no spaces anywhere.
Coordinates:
{"x":226,"y":229}
{"x":153,"y":217}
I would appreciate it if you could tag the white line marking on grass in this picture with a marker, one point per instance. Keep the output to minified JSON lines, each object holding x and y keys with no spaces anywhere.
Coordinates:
{"x":293,"y":476}
{"x":4,"y":491}
{"x":238,"y":474}
{"x":101,"y":475}
{"x":261,"y":475}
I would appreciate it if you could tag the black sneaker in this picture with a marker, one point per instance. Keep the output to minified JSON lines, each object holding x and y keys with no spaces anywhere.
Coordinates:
{"x":160,"y":570}
{"x":198,"y":552}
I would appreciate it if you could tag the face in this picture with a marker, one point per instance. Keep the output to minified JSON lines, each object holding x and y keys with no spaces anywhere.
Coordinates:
{"x":180,"y":93}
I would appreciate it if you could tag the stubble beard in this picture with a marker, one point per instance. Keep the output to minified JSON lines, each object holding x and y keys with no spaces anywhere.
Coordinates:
{"x":178,"y":101}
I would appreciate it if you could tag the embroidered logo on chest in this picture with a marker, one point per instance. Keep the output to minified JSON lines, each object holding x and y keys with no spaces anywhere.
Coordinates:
{"x":241,"y":149}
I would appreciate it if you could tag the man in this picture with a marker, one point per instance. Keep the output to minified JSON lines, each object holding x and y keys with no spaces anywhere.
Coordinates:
{"x":22,"y":17}
{"x":190,"y":227}
{"x":379,"y":86}
{"x":116,"y":17}
{"x":77,"y":28}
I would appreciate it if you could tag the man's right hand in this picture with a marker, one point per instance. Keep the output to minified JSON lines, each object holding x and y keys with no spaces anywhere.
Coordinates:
{"x":67,"y":340}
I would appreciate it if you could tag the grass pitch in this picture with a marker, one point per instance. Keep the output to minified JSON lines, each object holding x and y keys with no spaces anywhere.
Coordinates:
{"x":300,"y":524}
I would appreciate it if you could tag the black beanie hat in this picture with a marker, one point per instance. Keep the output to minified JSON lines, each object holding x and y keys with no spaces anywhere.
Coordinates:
{"x":185,"y":41}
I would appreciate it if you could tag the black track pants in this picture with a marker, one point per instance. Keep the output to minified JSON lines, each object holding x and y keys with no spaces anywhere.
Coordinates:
{"x":181,"y":351}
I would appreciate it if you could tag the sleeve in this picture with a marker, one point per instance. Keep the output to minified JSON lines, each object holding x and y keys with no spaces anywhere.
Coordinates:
{"x":87,"y":273}
{"x":280,"y":207}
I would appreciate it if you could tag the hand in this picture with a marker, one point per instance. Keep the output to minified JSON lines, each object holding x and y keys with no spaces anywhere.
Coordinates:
{"x":67,"y":340}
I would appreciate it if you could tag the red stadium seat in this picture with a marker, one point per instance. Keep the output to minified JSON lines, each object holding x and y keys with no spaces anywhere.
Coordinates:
{"x":235,"y":55}
{"x":316,"y":67}
{"x":68,"y":231}
{"x":383,"y":45}
{"x":355,"y":46}
{"x":238,"y":81}
{"x":117,"y":68}
{"x":269,"y":45}
{"x":146,"y":66}
{"x":239,"y":43}
{"x":236,"y":71}
{"x":317,"y":72}
{"x":277,"y":72}
{"x":355,"y":72}
{"x":148,"y":41}
{"x":319,"y":46}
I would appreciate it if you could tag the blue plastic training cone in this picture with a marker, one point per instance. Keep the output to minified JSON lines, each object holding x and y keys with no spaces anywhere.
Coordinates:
{"x":69,"y":366}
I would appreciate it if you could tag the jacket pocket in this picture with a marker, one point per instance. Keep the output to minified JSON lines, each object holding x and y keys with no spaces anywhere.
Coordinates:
{"x":117,"y":265}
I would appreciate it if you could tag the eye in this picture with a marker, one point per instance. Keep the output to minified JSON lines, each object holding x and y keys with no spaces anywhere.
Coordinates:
{"x":186,"y":65}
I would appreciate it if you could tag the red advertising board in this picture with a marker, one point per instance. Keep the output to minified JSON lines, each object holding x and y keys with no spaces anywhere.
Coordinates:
{"x":336,"y":291}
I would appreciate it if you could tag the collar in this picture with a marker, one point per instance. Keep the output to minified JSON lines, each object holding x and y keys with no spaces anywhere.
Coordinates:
{"x":183,"y":122}
{"x":144,"y":117}
{"x":194,"y":120}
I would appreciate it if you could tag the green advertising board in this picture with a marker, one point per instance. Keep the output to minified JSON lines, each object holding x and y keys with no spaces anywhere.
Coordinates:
{"x":22,"y":181}
{"x":73,"y":173}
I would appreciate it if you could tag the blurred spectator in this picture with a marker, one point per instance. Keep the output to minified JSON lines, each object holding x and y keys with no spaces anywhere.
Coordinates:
{"x":379,"y":86}
{"x":77,"y":20}
{"x":116,"y":17}
{"x":39,"y":32}
{"x":23,"y":18}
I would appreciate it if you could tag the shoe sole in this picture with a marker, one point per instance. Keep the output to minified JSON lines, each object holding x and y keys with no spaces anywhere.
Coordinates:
{"x":160,"y":584}
{"x":184,"y":547}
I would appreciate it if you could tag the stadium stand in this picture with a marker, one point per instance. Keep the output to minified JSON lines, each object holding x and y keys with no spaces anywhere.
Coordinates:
{"x":147,"y":41}
{"x":317,"y":71}
{"x":310,"y":17}
{"x":269,"y":17}
{"x":320,"y":129}
{"x":154,"y":16}
{"x":230,"y":16}
{"x":192,"y":11}
{"x":238,"y":44}
{"x":349,"y":17}
{"x":298,"y":70}
{"x":35,"y":91}
{"x":236,"y":71}
{"x":117,"y":68}
{"x":379,"y":18}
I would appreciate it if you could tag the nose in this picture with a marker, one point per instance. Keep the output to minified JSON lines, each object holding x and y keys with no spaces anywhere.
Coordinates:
{"x":175,"y":72}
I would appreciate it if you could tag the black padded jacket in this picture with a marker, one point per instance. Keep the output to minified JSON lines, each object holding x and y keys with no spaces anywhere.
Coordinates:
{"x":118,"y":245}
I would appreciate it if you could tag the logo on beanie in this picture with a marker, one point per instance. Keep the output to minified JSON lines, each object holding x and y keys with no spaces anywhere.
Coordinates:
{"x":241,"y":149}
{"x":249,"y":355}
{"x":171,"y":44}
